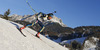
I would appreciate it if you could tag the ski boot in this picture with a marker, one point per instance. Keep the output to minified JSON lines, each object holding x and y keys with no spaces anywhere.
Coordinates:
{"x":37,"y":35}
{"x":22,"y":27}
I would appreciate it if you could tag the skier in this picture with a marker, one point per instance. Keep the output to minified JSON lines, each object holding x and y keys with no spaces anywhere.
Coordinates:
{"x":42,"y":20}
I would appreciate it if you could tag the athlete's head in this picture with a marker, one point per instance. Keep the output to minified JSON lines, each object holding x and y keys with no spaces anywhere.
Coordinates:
{"x":50,"y":15}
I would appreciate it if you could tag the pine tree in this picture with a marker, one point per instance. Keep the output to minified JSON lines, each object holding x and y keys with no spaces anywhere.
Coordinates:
{"x":5,"y":16}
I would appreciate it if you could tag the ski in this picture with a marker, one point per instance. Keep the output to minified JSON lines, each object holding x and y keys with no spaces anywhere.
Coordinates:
{"x":21,"y":32}
{"x":33,"y":34}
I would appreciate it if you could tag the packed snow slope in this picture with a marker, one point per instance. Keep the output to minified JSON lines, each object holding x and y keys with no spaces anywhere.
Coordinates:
{"x":12,"y":39}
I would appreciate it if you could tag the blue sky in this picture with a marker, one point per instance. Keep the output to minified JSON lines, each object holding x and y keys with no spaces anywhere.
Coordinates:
{"x":73,"y":13}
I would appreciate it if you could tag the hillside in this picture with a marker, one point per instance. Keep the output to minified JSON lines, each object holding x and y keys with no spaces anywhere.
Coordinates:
{"x":12,"y":39}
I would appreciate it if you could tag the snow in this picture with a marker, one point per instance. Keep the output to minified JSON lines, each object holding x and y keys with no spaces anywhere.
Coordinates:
{"x":81,"y":40}
{"x":12,"y":39}
{"x":90,"y":45}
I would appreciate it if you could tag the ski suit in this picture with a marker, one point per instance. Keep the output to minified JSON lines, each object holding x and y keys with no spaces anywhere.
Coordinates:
{"x":42,"y":20}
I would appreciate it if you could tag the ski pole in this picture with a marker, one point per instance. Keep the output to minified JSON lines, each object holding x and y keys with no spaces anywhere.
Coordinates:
{"x":31,"y":7}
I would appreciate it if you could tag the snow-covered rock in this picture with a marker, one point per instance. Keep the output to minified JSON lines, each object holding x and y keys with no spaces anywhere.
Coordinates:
{"x":90,"y":44}
{"x":80,"y":40}
{"x":12,"y":39}
{"x":58,"y":20}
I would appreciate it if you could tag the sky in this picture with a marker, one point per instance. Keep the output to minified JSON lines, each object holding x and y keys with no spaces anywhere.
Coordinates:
{"x":74,"y":13}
